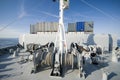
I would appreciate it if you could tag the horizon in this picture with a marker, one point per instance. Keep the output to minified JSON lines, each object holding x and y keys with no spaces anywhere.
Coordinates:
{"x":17,"y":15}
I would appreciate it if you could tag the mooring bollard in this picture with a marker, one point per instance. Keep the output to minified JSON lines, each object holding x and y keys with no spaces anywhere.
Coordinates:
{"x":15,"y":54}
{"x":104,"y":74}
{"x":114,"y":57}
{"x":18,"y":50}
{"x":30,"y":57}
{"x":11,"y":51}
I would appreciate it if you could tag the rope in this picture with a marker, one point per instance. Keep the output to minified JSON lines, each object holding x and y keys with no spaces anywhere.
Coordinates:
{"x":8,"y":24}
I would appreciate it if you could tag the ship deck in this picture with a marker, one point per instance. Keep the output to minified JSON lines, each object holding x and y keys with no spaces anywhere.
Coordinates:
{"x":12,"y":69}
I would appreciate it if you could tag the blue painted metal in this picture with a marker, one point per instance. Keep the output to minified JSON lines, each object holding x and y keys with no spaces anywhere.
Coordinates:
{"x":80,"y":26}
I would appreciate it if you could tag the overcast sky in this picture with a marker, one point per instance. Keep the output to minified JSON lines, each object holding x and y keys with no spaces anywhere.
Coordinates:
{"x":17,"y":15}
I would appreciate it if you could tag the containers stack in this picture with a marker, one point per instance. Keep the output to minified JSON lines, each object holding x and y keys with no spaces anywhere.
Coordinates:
{"x":88,"y":26}
{"x":80,"y":27}
{"x":39,"y":28}
{"x":32,"y":29}
{"x":53,"y":27}
{"x":71,"y":27}
{"x":44,"y":27}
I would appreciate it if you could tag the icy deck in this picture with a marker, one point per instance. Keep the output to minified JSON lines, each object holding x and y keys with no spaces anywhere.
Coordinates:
{"x":10,"y":69}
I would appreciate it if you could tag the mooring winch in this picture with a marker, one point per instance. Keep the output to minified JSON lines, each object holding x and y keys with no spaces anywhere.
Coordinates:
{"x":56,"y":55}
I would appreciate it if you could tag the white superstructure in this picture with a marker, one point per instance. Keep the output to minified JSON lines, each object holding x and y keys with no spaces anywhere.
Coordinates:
{"x":103,"y":40}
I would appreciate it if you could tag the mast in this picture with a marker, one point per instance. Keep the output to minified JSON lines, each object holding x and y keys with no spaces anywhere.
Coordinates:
{"x":61,"y":39}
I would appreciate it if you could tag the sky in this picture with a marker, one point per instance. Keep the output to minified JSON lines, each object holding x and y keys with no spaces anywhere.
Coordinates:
{"x":17,"y":15}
